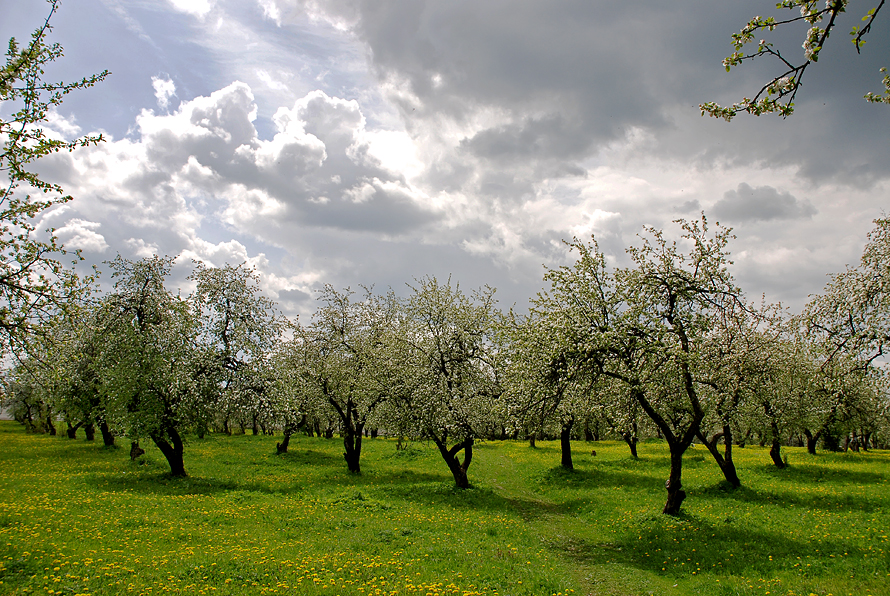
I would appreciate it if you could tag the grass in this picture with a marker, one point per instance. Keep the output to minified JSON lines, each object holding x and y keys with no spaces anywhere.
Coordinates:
{"x":76,"y":518}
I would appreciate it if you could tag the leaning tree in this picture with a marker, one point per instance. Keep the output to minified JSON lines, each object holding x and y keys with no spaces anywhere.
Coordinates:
{"x":647,"y":326}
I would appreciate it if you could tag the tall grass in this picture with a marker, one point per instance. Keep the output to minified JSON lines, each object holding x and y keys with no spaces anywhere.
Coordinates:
{"x":76,"y":518}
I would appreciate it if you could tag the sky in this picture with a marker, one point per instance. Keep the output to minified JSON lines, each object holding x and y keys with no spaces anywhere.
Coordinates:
{"x":374,"y":142}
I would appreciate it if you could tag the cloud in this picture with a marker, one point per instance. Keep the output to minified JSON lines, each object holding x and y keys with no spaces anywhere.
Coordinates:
{"x":370,"y":142}
{"x":82,"y":234}
{"x":204,"y":169}
{"x":198,"y":8}
{"x":763,"y":203}
{"x":164,"y":90}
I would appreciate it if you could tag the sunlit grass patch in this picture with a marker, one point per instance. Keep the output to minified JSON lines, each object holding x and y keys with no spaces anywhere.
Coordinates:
{"x":78,"y":519}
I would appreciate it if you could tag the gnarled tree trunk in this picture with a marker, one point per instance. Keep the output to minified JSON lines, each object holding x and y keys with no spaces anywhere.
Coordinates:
{"x":724,"y":461}
{"x":172,"y":450}
{"x":458,"y":469}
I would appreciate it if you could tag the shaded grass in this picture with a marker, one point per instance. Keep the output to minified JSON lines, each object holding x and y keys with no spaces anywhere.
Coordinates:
{"x":79,"y":519}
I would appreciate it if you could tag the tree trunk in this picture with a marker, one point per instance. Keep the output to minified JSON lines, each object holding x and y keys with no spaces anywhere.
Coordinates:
{"x":89,"y":430}
{"x":458,"y":470}
{"x":866,"y":438}
{"x":173,"y":452}
{"x":135,"y":450}
{"x":812,"y":440}
{"x":830,"y":440}
{"x":50,"y":427}
{"x":352,"y":441}
{"x":775,"y":453}
{"x":674,"y":486}
{"x":724,"y":461}
{"x":631,"y":440}
{"x":531,"y":440}
{"x":71,"y":431}
{"x":107,"y":437}
{"x":565,"y":443}
{"x":282,"y":446}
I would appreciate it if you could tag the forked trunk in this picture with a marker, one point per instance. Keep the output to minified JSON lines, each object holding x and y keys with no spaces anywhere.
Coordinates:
{"x":90,"y":430}
{"x":724,"y":460}
{"x":458,"y":469}
{"x":71,"y":431}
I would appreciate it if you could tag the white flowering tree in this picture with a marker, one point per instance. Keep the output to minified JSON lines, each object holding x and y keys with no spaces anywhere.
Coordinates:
{"x":745,"y":348}
{"x":349,"y":359}
{"x":75,"y":341}
{"x":778,"y":94}
{"x":240,"y":326}
{"x":452,"y":390}
{"x":545,"y":381}
{"x":848,"y":327}
{"x":34,"y":283}
{"x":648,"y":326}
{"x":155,"y":372}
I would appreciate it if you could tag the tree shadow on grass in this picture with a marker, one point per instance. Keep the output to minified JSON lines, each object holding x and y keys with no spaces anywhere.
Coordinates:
{"x":162,"y":483}
{"x":442,"y":494}
{"x":809,"y":473}
{"x":678,"y":546}
{"x":309,"y":457}
{"x":830,"y":501}
{"x":601,"y":476}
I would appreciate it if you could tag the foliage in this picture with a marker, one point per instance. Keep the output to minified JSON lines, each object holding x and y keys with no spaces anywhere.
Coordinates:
{"x":239,"y":327}
{"x":34,"y":284}
{"x":456,"y":396}
{"x":777,"y":95}
{"x":154,"y":372}
{"x":353,"y":360}
{"x":649,"y":326}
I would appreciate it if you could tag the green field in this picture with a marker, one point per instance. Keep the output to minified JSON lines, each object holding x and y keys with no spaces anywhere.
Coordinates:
{"x":76,"y":518}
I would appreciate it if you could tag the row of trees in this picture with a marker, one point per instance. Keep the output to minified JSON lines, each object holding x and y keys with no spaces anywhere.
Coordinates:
{"x":667,"y":346}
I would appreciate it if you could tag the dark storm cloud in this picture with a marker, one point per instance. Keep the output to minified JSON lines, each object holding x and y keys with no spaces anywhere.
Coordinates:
{"x":569,"y":77}
{"x":763,"y":203}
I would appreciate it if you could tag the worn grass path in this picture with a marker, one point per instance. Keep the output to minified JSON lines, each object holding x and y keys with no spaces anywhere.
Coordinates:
{"x":76,"y":518}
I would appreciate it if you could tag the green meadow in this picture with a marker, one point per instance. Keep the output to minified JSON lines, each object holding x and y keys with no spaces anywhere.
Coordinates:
{"x":76,"y":518}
